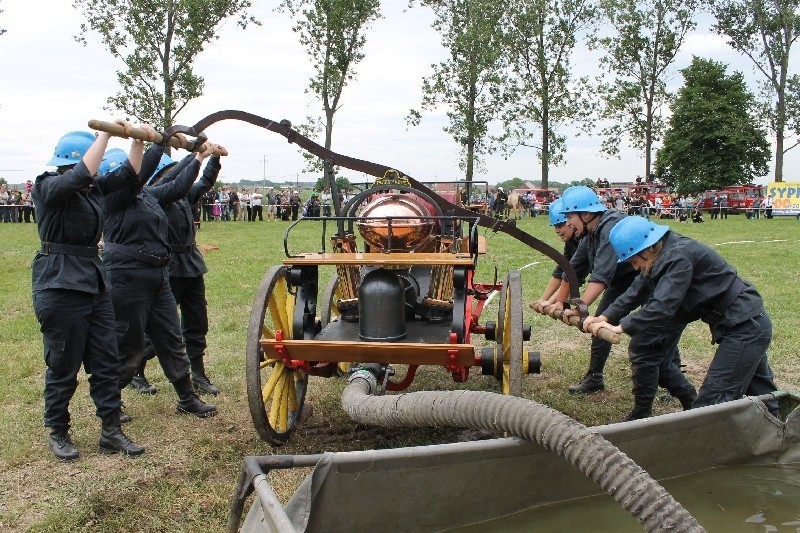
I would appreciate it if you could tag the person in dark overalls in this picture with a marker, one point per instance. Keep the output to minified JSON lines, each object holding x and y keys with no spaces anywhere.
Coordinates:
{"x":71,"y":291}
{"x":567,"y":235}
{"x":186,"y":270}
{"x":684,"y":281}
{"x":595,"y":260}
{"x":136,"y":254}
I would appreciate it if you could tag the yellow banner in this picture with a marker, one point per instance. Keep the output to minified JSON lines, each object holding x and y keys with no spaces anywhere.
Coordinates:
{"x":785,"y":197}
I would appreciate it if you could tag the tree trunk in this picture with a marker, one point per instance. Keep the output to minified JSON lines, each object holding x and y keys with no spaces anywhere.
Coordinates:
{"x":545,"y":146}
{"x":648,"y":140}
{"x":328,"y":128}
{"x":780,"y":121}
{"x":471,"y":133}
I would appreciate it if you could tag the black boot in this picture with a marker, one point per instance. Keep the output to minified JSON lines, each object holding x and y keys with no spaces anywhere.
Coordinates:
{"x":190,"y":404}
{"x":124,"y":417}
{"x":140,"y":384}
{"x":687,"y":399}
{"x":591,"y":382}
{"x":642,"y":408}
{"x":203,"y":384}
{"x":200,"y":381}
{"x":61,"y":445}
{"x":113,"y":440}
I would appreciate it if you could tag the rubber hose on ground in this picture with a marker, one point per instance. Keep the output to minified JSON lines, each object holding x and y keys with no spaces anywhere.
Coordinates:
{"x":630,"y":485}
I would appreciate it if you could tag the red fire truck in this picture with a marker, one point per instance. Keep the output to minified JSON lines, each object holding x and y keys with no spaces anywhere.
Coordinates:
{"x":740,"y":197}
{"x":649,"y":189}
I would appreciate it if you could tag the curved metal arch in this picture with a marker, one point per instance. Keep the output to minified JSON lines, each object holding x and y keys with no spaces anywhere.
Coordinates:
{"x":284,"y":128}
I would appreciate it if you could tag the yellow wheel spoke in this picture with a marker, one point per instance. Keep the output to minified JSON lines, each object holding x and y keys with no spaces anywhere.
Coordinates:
{"x":283,"y":413}
{"x":281,"y":309}
{"x":274,"y":408}
{"x":274,"y":377}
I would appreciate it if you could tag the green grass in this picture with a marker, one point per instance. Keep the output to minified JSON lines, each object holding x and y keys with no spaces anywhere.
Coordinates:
{"x":185,"y":479}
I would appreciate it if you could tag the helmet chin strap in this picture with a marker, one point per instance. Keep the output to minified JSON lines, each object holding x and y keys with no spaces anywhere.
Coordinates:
{"x":585,"y":224}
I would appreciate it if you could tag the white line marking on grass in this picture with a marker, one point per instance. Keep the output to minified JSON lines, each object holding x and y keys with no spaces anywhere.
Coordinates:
{"x":529,"y":265}
{"x":490,"y":298}
{"x":495,"y":293}
{"x":748,"y":242}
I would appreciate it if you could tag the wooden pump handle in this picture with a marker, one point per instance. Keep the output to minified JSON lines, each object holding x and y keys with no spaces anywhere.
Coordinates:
{"x":574,"y":320}
{"x":175,"y":141}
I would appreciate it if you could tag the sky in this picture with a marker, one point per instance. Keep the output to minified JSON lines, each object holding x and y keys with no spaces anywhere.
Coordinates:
{"x":52,"y":85}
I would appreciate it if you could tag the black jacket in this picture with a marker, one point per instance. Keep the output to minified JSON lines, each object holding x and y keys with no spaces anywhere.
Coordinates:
{"x":686,"y":282}
{"x":136,"y":218}
{"x":66,"y":214}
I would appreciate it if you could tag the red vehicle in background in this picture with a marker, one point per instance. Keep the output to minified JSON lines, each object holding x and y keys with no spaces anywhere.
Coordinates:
{"x":740,"y":197}
{"x":649,"y":189}
{"x":743,"y":197}
{"x":707,"y":198}
{"x":543,"y":195}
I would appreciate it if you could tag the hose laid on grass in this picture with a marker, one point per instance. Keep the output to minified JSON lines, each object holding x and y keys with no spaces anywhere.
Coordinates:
{"x":630,"y":485}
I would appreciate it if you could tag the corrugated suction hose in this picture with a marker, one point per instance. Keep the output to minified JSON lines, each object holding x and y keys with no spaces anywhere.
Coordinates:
{"x":630,"y":485}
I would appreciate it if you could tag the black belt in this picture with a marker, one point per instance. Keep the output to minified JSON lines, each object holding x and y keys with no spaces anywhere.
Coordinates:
{"x":153,"y":260}
{"x":725,"y":301}
{"x":68,"y":249}
{"x":181,"y":248}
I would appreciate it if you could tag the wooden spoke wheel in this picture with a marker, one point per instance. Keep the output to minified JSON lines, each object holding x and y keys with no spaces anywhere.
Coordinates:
{"x":275,"y":392}
{"x":329,"y":312}
{"x":509,"y":333}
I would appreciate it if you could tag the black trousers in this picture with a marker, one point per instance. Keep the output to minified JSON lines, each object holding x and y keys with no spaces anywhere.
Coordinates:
{"x":190,"y":295}
{"x":655,"y":361}
{"x":740,"y":364}
{"x":77,"y":328}
{"x":601,"y":349}
{"x":144,"y":304}
{"x":258,"y":212}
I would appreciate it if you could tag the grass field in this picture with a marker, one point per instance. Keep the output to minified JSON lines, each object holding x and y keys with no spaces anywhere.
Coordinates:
{"x":185,"y":479}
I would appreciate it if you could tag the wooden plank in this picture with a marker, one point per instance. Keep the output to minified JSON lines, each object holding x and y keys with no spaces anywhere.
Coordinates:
{"x":372,"y":352}
{"x":481,"y":244}
{"x":398,"y":258}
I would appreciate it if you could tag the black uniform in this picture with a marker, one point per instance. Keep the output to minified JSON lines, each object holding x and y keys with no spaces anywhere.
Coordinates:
{"x":71,"y":295}
{"x":596,"y":258}
{"x":187,"y":267}
{"x":136,"y":255}
{"x":654,"y":354}
{"x":690,"y":281}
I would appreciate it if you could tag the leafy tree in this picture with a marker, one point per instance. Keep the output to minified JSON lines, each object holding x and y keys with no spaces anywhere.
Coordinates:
{"x":158,"y":41}
{"x":468,"y":84}
{"x":341,"y":182}
{"x":513,"y":183}
{"x":540,"y":37}
{"x":713,"y":139}
{"x":764,"y":31}
{"x":646,"y":36}
{"x":334,"y":34}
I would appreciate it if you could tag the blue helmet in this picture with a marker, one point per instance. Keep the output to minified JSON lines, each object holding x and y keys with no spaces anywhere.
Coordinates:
{"x":71,"y":148}
{"x":166,"y":161}
{"x":112,"y":160}
{"x":633,"y":234}
{"x":581,"y":199}
{"x":556,"y":216}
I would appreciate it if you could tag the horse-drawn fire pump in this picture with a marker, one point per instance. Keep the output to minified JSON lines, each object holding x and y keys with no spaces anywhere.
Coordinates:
{"x":403,"y":292}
